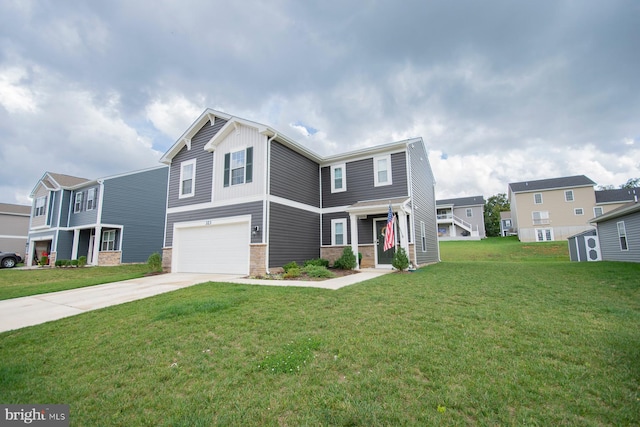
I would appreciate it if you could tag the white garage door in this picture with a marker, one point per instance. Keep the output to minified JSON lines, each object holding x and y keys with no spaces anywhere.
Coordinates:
{"x":222,"y":248}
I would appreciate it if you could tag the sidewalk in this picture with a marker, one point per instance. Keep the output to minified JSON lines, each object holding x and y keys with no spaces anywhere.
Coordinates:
{"x":32,"y":310}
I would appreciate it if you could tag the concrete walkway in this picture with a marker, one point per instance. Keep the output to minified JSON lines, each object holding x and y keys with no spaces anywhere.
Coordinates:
{"x":32,"y":310}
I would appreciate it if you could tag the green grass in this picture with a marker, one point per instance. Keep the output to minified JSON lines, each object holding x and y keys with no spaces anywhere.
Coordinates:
{"x":507,"y":249}
{"x":19,"y":283}
{"x":464,"y":342}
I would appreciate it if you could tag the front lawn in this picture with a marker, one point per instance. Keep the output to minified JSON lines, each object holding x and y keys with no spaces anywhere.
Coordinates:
{"x":20,"y":283}
{"x":457,"y":343}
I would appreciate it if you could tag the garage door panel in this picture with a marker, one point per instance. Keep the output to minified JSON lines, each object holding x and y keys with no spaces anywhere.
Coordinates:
{"x":220,"y":248}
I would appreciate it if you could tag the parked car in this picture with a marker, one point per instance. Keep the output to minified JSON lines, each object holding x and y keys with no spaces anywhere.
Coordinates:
{"x":9,"y":259}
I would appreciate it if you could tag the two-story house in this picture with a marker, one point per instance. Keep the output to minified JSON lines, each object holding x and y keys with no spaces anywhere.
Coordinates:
{"x":14,"y":227}
{"x":111,"y":220}
{"x":244,"y":198}
{"x":551,"y":209}
{"x":608,"y":200}
{"x":461,"y":218}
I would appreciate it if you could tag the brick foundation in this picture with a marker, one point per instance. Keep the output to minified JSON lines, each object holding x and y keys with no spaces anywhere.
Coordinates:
{"x":166,"y":259}
{"x":109,"y":258}
{"x":258,"y":259}
{"x":52,"y":258}
{"x":332,"y":253}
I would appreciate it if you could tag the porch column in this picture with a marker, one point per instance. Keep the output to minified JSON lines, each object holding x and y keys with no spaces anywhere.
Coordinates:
{"x":354,"y":238}
{"x":74,"y":248}
{"x":96,"y":245}
{"x":404,"y":237}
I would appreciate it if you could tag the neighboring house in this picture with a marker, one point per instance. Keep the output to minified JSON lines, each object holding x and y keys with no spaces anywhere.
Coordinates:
{"x":461,"y":218}
{"x":112,"y":220}
{"x":608,"y":200}
{"x":506,"y":225}
{"x":14,"y":227}
{"x":551,"y":209}
{"x":619,"y":233}
{"x":245,"y":199}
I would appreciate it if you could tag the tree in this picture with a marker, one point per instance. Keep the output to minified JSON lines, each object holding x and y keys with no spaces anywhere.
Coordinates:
{"x":492,"y":208}
{"x":631,"y":183}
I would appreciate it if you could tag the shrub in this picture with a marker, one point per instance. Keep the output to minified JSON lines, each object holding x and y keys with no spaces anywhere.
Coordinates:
{"x":321,"y":262}
{"x":347,"y":261}
{"x":59,"y":263}
{"x":155,"y":262}
{"x":66,"y":262}
{"x":318,"y":271}
{"x":400,"y":259}
{"x":44,"y":260}
{"x":288,"y":266}
{"x":82,"y":261}
{"x":73,"y":262}
{"x":292,"y":273}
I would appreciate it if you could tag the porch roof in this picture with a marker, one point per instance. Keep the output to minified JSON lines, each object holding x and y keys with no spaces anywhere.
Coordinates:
{"x":379,"y":206}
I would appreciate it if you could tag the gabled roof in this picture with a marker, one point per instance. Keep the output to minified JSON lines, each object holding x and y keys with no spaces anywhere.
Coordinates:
{"x":627,"y":209}
{"x":8,"y":208}
{"x":462,"y":201}
{"x":620,"y":195}
{"x":551,"y":184}
{"x":56,"y":181}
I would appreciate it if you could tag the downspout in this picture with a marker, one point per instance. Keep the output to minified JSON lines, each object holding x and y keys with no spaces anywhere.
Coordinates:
{"x":267,"y":203}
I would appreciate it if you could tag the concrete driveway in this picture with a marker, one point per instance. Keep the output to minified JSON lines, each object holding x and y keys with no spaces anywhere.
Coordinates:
{"x":28,"y":311}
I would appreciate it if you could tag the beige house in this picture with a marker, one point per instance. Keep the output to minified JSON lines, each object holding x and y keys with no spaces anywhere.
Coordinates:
{"x":14,"y":227}
{"x":552,"y":209}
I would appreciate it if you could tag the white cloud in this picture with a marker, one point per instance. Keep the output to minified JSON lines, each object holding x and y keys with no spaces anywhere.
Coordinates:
{"x":173,"y":114}
{"x":15,"y":95}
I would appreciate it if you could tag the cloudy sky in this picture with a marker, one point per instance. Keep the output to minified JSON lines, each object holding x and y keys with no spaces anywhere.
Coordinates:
{"x":500,"y":91}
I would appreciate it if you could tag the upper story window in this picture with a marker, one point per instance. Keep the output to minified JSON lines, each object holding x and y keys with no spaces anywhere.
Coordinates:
{"x":338,"y":178}
{"x":469,"y":212}
{"x":339,"y":231}
{"x":597,"y":211}
{"x":382,"y":170}
{"x":578,"y":211}
{"x":91,"y":199}
{"x":537,"y":198}
{"x":238,"y":167}
{"x":77,"y":205}
{"x":622,"y":235}
{"x":187,"y":178}
{"x":540,"y":217}
{"x":40,"y":204}
{"x":568,"y":195}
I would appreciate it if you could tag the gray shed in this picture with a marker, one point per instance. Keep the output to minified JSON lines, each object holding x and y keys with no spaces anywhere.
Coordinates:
{"x":584,"y":246}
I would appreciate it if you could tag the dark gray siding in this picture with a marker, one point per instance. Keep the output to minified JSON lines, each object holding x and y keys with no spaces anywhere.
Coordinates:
{"x":293,"y":176}
{"x":64,"y":245}
{"x":326,"y":227}
{"x":204,"y":167}
{"x":424,"y":204}
{"x":84,"y":216}
{"x":610,"y":242}
{"x":63,"y":197}
{"x":360,"y":182}
{"x":294,"y":235}
{"x":137,"y":202}
{"x":577,"y":247}
{"x":254,"y":209}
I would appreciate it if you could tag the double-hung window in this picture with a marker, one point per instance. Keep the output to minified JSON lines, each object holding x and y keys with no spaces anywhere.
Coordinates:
{"x":238,"y":167}
{"x":77,"y":206}
{"x":108,"y":240}
{"x":91,"y":199}
{"x":187,"y":178}
{"x":338,"y":178}
{"x":469,"y":212}
{"x":423,"y":236}
{"x":622,"y":235}
{"x":537,"y":198}
{"x":339,"y":232}
{"x":597,"y":211}
{"x":382,"y":170}
{"x":40,"y":204}
{"x":540,"y":217}
{"x":568,"y":196}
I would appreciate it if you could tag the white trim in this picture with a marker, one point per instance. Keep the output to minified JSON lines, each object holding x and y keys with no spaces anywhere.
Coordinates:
{"x":184,"y":164}
{"x":334,"y":223}
{"x":535,"y":202}
{"x":383,"y":220}
{"x":595,"y":215}
{"x":620,"y":236}
{"x":572,"y":196}
{"x":77,"y":204}
{"x":423,"y":236}
{"x":389,"y":181}
{"x":343,"y":168}
{"x":544,"y":231}
{"x":575,"y":211}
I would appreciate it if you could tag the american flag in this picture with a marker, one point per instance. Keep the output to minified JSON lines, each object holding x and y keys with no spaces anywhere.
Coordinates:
{"x":388,"y":234}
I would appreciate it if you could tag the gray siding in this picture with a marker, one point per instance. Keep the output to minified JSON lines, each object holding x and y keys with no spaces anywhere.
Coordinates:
{"x":577,"y":247}
{"x":138,"y":203}
{"x":360,"y":182}
{"x":294,"y":235}
{"x":293,"y":176}
{"x":204,"y":167}
{"x":424,"y":204}
{"x":64,"y":245}
{"x":255,"y":209}
{"x":84,"y":216}
{"x":610,"y":242}
{"x":326,"y":227}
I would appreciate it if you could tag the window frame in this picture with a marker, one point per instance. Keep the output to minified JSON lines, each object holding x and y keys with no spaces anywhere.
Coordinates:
{"x":595,"y":211}
{"x":334,"y":235}
{"x":622,"y":236}
{"x":578,"y":211}
{"x":469,"y":212}
{"x":183,"y":166}
{"x":343,"y":168}
{"x":40,"y":207}
{"x":547,"y":235}
{"x":77,"y":202}
{"x":247,"y":167}
{"x":91,"y":198}
{"x":107,"y":241}
{"x":423,"y":236}
{"x":569,"y":196}
{"x":376,"y":171}
{"x":535,"y":199}
{"x":544,"y":216}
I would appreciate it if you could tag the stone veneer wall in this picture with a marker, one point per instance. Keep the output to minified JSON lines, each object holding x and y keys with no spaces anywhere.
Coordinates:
{"x":332,"y":253}
{"x":109,"y":258}
{"x":52,"y":258}
{"x":166,"y":259}
{"x":258,"y":259}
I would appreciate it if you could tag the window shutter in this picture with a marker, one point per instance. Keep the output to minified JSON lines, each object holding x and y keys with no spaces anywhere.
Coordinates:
{"x":249,"y":167}
{"x":227,"y":166}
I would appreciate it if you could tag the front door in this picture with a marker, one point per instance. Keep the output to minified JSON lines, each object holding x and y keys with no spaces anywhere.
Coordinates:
{"x":383,"y":258}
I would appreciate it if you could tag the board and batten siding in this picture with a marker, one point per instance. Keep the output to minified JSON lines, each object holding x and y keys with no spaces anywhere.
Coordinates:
{"x":255,"y":209}
{"x":610,"y":241}
{"x":360,"y":182}
{"x":294,"y":235}
{"x":137,"y":202}
{"x":424,"y":204}
{"x":204,"y":167}
{"x":294,"y":176}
